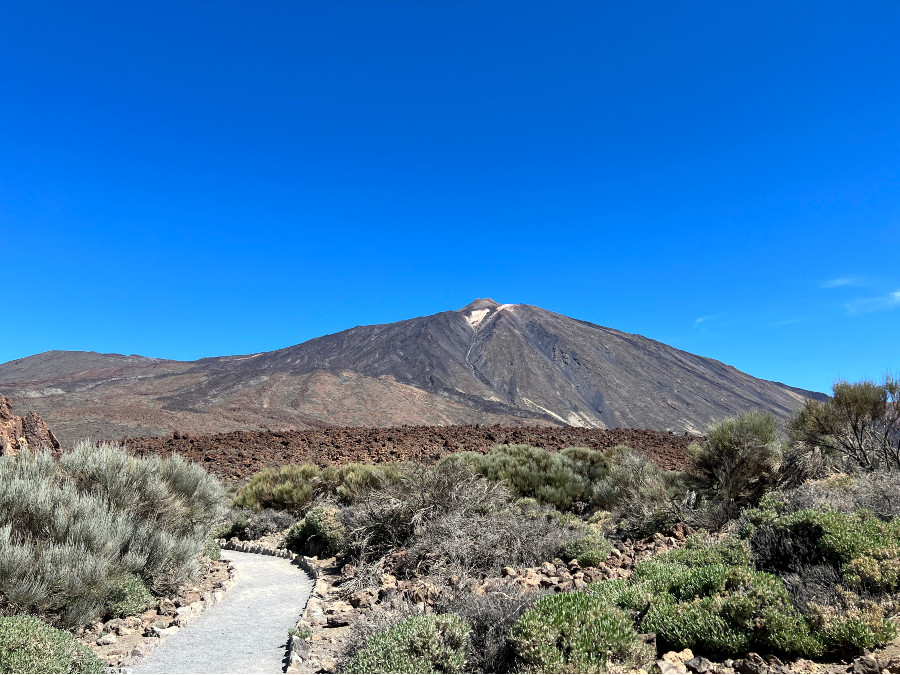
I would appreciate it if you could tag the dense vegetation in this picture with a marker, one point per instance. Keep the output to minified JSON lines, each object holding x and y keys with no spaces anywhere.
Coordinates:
{"x":806,"y":569}
{"x":93,"y":534}
{"x":797,"y":551}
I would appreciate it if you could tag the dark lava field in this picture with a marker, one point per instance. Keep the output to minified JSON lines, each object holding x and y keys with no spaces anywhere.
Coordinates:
{"x":238,"y":454}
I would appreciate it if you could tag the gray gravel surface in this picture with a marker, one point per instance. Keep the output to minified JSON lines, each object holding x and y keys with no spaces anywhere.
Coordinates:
{"x":245,"y":633}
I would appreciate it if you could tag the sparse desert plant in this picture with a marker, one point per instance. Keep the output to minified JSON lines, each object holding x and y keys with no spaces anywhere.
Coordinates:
{"x":637,"y":493}
{"x":28,"y":645}
{"x":576,"y":633}
{"x":491,"y":616}
{"x":248,"y":525}
{"x":450,"y":520}
{"x":738,"y":461}
{"x":860,"y":424}
{"x":435,"y":643}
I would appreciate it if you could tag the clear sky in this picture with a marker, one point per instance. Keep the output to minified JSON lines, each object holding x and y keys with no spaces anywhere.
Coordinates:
{"x":187,"y":179}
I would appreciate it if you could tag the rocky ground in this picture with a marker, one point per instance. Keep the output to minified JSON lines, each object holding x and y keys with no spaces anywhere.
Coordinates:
{"x":328,"y":621}
{"x":126,"y":641}
{"x":337,"y":606}
{"x":238,"y":454}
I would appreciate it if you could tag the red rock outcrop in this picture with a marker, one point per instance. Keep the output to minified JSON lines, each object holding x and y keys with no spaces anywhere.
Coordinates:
{"x":20,"y":433}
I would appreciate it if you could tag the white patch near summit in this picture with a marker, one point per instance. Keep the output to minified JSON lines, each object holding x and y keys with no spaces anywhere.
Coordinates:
{"x":477,"y":316}
{"x":505,"y":307}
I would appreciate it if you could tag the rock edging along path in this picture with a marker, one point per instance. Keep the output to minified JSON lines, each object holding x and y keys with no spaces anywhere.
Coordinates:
{"x":247,"y":632}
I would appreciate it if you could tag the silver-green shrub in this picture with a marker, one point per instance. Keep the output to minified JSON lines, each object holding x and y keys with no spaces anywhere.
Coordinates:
{"x":68,"y":528}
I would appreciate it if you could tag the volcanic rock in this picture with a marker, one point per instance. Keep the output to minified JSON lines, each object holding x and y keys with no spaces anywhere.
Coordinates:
{"x":22,"y":433}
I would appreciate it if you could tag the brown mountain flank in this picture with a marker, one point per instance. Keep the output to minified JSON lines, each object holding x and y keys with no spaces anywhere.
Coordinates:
{"x":487,"y":363}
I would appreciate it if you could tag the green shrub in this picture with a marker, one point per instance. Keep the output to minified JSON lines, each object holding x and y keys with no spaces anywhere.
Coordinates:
{"x":559,"y":479}
{"x":590,"y":549}
{"x":694,"y":625}
{"x":68,"y":528}
{"x":321,"y":529}
{"x":294,"y":487}
{"x":128,"y":596}
{"x":856,"y":627}
{"x":418,"y":644}
{"x":701,"y":549}
{"x":724,"y":610}
{"x":576,"y":633}
{"x":738,"y":461}
{"x":28,"y":645}
{"x":623,"y":593}
{"x":212,"y":550}
{"x":864,"y":548}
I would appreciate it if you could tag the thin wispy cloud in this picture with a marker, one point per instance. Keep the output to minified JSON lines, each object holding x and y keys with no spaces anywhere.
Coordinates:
{"x":876,"y":304}
{"x":841,"y":282}
{"x":788,"y":322}
{"x":702,"y":320}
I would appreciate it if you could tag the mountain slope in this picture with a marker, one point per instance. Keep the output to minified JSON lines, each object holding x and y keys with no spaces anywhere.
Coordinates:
{"x":485,"y":363}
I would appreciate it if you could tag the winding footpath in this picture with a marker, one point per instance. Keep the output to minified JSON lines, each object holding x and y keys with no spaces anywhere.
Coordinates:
{"x":245,"y":633}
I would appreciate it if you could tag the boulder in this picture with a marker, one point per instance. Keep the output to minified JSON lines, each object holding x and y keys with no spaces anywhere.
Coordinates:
{"x":22,"y":433}
{"x":866,"y":664}
{"x":699,"y":664}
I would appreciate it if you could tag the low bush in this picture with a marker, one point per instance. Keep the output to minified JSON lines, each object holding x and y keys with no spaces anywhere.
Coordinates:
{"x":294,"y":487}
{"x":435,"y":643}
{"x":247,"y":525}
{"x":128,"y":596}
{"x":560,"y":479}
{"x":727,"y":610}
{"x":211,"y":549}
{"x":878,"y":492}
{"x":853,"y":624}
{"x":449,"y":520}
{"x":575,"y":633}
{"x":589,"y":550}
{"x":28,"y":645}
{"x":706,"y":597}
{"x":737,"y":463}
{"x":68,"y":529}
{"x":320,"y":532}
{"x":491,"y":617}
{"x":864,"y":548}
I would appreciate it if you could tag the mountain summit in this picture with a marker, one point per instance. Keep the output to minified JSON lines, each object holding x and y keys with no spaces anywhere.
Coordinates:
{"x":485,"y":363}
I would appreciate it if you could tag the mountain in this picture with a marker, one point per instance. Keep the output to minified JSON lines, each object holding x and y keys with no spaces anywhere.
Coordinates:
{"x":486,"y":363}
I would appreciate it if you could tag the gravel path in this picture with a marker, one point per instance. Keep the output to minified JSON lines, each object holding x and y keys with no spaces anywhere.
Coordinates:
{"x":245,"y":633}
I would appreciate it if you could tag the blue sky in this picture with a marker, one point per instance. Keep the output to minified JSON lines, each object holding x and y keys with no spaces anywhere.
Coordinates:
{"x":186,"y":179}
